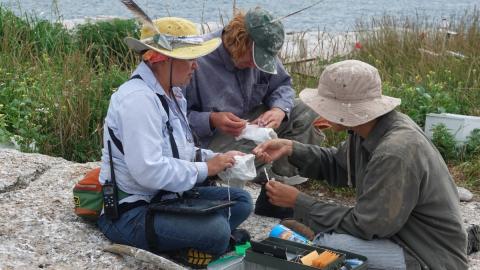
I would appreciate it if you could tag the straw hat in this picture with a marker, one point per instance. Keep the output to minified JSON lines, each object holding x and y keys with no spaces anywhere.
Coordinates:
{"x":183,"y":36}
{"x":349,"y":93}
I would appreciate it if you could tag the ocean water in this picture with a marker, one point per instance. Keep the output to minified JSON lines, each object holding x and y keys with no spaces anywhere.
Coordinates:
{"x":329,"y":15}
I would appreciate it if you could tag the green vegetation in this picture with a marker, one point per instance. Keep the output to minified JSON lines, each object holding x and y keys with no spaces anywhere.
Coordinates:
{"x":56,"y":83}
{"x":445,"y":142}
{"x":426,"y":82}
{"x":420,"y":64}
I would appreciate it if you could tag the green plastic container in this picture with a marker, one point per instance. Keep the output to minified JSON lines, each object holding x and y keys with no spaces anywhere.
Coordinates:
{"x":259,"y":261}
{"x":241,"y":249}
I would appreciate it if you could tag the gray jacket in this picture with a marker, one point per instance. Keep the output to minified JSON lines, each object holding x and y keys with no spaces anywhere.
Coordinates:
{"x":403,"y":192}
{"x":218,"y":86}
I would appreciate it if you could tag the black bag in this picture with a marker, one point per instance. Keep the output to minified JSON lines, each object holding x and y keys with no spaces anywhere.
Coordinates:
{"x":190,"y":206}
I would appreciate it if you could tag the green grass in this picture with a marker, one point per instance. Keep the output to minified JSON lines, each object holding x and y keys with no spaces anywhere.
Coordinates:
{"x":55,"y":84}
{"x":425,"y":83}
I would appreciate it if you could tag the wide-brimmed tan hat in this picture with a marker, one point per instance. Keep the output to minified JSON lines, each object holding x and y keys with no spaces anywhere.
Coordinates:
{"x":183,"y":36}
{"x":349,"y":93}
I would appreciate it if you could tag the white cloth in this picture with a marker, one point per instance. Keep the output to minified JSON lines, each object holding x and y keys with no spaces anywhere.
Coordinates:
{"x":257,"y":134}
{"x":243,"y":170}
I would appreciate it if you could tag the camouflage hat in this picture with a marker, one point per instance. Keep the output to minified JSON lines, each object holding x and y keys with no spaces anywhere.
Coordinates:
{"x":267,"y":38}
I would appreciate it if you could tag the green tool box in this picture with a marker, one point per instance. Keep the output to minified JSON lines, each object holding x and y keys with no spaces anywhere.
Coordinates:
{"x":270,"y":258}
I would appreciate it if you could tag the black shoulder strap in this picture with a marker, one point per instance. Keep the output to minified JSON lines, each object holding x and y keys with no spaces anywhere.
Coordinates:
{"x":116,"y":141}
{"x":169,"y":127}
{"x":164,"y":102}
{"x":136,"y":76}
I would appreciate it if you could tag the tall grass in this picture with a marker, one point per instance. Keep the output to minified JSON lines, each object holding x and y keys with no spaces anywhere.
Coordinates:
{"x":415,"y":59}
{"x":420,"y":63}
{"x":55,"y":84}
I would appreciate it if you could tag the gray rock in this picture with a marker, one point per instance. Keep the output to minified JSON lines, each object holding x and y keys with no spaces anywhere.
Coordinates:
{"x":464,"y":194}
{"x":39,"y":229}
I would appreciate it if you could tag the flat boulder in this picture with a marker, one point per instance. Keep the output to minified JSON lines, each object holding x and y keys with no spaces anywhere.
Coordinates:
{"x":39,"y":229}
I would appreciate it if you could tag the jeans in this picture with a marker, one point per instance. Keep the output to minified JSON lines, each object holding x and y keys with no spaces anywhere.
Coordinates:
{"x":381,"y":253}
{"x":209,"y":233}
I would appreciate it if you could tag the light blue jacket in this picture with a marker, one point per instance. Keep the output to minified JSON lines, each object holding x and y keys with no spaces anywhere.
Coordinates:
{"x":138,"y":120}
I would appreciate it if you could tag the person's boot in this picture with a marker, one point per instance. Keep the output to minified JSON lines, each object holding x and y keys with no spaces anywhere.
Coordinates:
{"x":264,"y":208}
{"x":193,"y":258}
{"x":298,"y":227}
{"x":238,"y":237}
{"x":473,"y":240}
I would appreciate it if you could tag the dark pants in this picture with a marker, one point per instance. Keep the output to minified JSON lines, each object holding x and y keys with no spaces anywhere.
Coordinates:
{"x":209,"y":233}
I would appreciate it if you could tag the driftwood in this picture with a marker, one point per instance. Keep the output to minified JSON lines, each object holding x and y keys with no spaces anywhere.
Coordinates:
{"x":144,"y":256}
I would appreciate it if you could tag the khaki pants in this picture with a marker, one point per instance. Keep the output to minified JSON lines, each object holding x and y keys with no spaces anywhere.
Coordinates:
{"x":298,"y":127}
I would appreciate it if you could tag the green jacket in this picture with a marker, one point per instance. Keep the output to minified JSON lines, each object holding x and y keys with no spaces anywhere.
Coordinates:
{"x":403,"y":192}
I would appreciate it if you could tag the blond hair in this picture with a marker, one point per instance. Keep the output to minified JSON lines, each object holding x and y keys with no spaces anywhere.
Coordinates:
{"x":235,"y":36}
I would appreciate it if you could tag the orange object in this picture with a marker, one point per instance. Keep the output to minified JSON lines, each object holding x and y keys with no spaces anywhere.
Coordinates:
{"x":308,"y":259}
{"x":321,"y":123}
{"x":324,"y":259}
{"x":154,"y":57}
{"x":87,"y":195}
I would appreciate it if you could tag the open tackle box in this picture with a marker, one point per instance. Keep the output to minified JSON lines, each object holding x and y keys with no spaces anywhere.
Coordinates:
{"x":278,"y":254}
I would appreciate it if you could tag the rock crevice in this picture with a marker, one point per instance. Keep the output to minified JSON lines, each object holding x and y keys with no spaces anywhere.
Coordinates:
{"x":23,"y":181}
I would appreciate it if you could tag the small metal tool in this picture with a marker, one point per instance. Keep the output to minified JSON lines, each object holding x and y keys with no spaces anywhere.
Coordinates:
{"x":266,"y":174}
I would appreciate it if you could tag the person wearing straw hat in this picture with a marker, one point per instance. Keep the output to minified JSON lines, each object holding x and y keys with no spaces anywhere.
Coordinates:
{"x":244,"y":81}
{"x":154,"y":153}
{"x":406,"y":214}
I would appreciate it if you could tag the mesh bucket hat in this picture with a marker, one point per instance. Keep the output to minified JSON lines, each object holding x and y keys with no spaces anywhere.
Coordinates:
{"x":349,"y":93}
{"x":267,"y":35}
{"x":182,"y":34}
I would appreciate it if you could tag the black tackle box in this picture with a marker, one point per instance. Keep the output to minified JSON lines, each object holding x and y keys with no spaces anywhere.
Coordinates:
{"x":278,"y":254}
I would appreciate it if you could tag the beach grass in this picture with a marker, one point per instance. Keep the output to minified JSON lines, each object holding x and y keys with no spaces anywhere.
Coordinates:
{"x":433,"y":69}
{"x":56,"y":83}
{"x":430,"y":69}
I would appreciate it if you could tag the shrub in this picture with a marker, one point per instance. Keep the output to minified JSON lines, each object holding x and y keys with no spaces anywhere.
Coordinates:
{"x":471,"y":172}
{"x":472,"y":145}
{"x":53,"y":98}
{"x":445,"y":142}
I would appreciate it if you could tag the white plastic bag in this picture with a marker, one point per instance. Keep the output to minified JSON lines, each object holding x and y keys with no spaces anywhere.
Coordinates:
{"x":244,"y":169}
{"x":257,"y":134}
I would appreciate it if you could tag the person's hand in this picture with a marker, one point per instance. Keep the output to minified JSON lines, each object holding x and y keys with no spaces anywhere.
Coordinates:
{"x":281,"y":194}
{"x":271,"y":118}
{"x":234,"y":153}
{"x":227,"y":123}
{"x":273,"y":149}
{"x":219,"y":163}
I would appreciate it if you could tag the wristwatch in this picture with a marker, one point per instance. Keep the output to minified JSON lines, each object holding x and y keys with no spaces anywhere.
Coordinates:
{"x":285,"y":110}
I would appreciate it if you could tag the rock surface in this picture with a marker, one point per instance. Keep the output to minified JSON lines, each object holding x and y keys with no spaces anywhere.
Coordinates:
{"x":39,"y":229}
{"x":464,"y":194}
